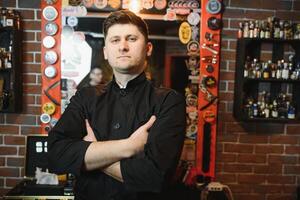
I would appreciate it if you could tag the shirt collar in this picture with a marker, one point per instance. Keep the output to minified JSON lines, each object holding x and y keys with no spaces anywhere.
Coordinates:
{"x":132,"y":83}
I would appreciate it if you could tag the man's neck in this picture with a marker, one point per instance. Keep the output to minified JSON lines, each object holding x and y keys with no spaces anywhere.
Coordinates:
{"x":123,"y":79}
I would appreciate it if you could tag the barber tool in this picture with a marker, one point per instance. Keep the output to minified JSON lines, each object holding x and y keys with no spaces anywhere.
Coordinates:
{"x":206,"y":146}
{"x":48,"y":42}
{"x":160,"y":4}
{"x":209,"y":59}
{"x":50,"y":57}
{"x":50,"y":13}
{"x":207,"y":47}
{"x":48,"y":108}
{"x":51,"y":28}
{"x":50,"y":2}
{"x":214,"y":23}
{"x":213,"y":7}
{"x":185,"y":33}
{"x":45,"y":118}
{"x":46,"y":92}
{"x":50,"y":71}
{"x":193,"y":18}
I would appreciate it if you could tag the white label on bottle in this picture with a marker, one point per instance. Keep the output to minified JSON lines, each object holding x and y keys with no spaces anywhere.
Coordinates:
{"x":9,"y":22}
{"x":291,"y":115}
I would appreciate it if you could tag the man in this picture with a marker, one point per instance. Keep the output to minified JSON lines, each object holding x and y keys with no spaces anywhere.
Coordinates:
{"x":122,"y":140}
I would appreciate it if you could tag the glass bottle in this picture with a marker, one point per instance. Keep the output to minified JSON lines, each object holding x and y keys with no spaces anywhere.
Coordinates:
{"x":274,"y":112}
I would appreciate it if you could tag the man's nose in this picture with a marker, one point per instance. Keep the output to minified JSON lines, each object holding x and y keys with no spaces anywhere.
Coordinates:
{"x":124,"y":46}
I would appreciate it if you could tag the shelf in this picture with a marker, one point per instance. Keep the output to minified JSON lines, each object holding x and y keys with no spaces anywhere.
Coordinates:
{"x":272,"y":80}
{"x":274,"y":120}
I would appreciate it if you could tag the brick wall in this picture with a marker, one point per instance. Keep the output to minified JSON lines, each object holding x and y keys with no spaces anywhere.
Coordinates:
{"x":14,"y":127}
{"x":257,"y":161}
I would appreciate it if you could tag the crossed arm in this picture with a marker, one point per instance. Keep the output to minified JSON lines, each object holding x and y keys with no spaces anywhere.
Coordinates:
{"x":107,"y":155}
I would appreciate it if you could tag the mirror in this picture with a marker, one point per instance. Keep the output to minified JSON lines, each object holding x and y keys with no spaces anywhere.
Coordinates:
{"x":81,"y":52}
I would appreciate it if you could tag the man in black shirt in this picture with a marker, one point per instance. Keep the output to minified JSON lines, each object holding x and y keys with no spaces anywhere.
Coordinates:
{"x":122,"y":140}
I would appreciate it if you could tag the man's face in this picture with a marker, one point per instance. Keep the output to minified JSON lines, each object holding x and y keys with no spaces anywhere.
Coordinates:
{"x":126,"y":49}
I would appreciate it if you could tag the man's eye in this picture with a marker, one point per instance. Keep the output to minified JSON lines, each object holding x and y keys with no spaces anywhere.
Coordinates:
{"x":132,"y":39}
{"x":115,"y":41}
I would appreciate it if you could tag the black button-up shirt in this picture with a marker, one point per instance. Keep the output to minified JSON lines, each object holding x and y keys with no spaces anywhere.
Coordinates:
{"x":113,"y":114}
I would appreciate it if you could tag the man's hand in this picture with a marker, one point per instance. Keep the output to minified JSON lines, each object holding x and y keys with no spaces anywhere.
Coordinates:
{"x":139,"y":138}
{"x":90,"y":137}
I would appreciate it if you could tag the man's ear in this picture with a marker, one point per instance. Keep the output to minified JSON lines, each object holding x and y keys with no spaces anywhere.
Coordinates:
{"x":149,"y":48}
{"x":104,"y":53}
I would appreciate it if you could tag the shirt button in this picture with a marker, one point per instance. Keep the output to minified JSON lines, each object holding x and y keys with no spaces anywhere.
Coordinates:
{"x":117,"y":126}
{"x":123,"y":93}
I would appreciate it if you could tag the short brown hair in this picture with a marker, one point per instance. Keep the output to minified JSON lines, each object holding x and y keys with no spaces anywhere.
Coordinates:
{"x":125,"y":17}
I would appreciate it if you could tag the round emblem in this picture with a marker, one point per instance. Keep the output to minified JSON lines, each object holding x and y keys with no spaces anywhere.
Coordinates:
{"x":192,"y":100}
{"x":185,"y":33}
{"x":75,"y":2}
{"x":147,"y":4}
{"x":72,"y":21}
{"x":48,"y":108}
{"x":209,"y":116}
{"x":209,"y":68}
{"x":51,"y":28}
{"x":209,"y":81}
{"x":115,"y":4}
{"x":45,"y":118}
{"x":214,"y":23}
{"x":193,"y":47}
{"x":193,"y":18}
{"x":50,"y":57}
{"x":50,"y":2}
{"x":50,"y":71}
{"x":100,"y":4}
{"x":88,"y":3}
{"x":48,"y":42}
{"x":160,"y":4}
{"x":213,"y":7}
{"x":50,"y":13}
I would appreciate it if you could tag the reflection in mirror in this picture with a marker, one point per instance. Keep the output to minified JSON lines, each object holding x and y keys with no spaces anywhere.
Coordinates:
{"x":82,"y":45}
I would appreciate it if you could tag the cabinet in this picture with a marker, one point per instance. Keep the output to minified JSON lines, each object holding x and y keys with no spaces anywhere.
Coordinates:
{"x":10,"y":70}
{"x":246,"y":87}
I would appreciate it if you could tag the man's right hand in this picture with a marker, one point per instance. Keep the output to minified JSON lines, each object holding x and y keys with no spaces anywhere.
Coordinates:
{"x":139,"y":138}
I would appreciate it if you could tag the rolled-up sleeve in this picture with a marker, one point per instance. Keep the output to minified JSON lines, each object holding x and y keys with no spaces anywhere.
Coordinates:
{"x":66,"y":147}
{"x":161,"y":154}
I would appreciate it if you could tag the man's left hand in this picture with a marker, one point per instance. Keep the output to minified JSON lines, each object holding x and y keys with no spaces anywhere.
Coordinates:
{"x":90,"y":137}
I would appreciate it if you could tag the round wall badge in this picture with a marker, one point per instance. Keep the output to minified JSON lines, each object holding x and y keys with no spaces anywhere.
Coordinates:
{"x":185,"y":33}
{"x":214,"y":23}
{"x":209,"y":81}
{"x":48,"y":42}
{"x":209,"y":116}
{"x":45,"y":118}
{"x":50,"y":57}
{"x":160,"y":4}
{"x":88,"y":3}
{"x":50,"y":71}
{"x":192,"y":100}
{"x":193,"y":18}
{"x":213,"y":7}
{"x":50,"y":13}
{"x":48,"y":108}
{"x":100,"y":4}
{"x":209,"y":68}
{"x":72,"y":21}
{"x":193,"y":47}
{"x":51,"y":28}
{"x":50,"y":2}
{"x":147,"y":4}
{"x":115,"y":4}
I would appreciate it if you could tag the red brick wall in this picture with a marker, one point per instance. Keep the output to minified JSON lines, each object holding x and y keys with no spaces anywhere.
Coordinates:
{"x":257,"y":161}
{"x":14,"y":127}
